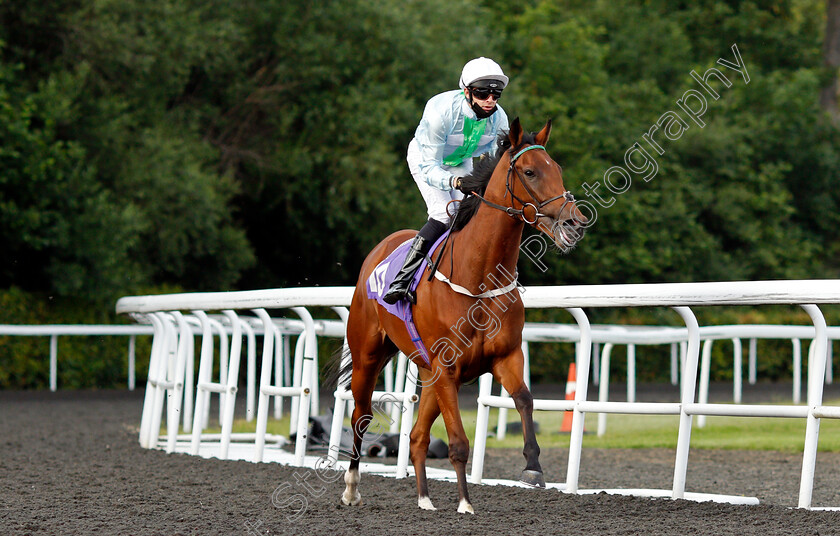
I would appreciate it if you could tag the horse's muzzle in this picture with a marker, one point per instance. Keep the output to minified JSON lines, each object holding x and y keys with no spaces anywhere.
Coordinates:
{"x":567,"y":234}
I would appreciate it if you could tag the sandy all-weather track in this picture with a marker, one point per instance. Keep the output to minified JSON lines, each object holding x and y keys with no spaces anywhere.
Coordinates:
{"x":70,"y":464}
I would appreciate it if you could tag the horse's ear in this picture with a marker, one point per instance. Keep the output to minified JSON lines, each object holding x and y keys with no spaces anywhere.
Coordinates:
{"x":542,"y":136}
{"x":515,"y":134}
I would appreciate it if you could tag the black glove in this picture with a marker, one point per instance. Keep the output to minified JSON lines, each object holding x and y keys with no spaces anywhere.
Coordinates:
{"x":455,"y":182}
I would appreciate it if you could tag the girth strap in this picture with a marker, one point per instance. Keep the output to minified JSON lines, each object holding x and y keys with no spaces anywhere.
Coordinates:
{"x":489,"y":294}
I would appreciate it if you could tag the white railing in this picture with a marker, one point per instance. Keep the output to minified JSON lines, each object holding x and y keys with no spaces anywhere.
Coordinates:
{"x":680,"y":297}
{"x":632,"y":336}
{"x":171,"y":373}
{"x":54,"y":331}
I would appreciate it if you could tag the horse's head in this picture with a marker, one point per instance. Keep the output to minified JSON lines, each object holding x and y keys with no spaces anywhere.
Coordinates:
{"x":534,"y":190}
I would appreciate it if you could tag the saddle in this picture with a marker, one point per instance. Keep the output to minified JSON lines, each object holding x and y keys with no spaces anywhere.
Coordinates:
{"x":380,"y":280}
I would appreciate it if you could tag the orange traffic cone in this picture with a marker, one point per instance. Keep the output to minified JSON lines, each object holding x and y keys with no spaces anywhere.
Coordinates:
{"x":571,"y":387}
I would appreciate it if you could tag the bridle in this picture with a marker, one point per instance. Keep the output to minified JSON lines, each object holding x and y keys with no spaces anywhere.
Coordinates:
{"x":536,"y":204}
{"x":510,"y":211}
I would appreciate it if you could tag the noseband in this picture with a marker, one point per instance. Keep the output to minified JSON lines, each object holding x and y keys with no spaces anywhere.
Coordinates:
{"x":536,"y":204}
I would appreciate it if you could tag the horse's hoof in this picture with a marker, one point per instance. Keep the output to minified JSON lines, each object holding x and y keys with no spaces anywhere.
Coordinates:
{"x":355,"y":500}
{"x":465,"y":507}
{"x":425,"y":503}
{"x":532,"y":478}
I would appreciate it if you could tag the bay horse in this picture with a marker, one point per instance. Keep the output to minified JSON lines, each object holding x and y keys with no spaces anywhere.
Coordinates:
{"x":467,"y":334}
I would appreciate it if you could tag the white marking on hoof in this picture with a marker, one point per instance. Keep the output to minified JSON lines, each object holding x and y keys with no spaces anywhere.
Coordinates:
{"x":349,"y":499}
{"x":351,"y":495}
{"x":465,"y":507}
{"x":425,"y":503}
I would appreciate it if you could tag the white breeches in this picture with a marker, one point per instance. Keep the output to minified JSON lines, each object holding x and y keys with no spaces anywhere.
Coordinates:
{"x":436,"y":200}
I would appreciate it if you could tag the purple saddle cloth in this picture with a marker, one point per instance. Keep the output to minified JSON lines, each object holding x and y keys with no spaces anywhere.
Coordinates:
{"x":382,"y":277}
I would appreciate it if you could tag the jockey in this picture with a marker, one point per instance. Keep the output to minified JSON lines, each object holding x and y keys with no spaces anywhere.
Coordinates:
{"x":457,"y":126}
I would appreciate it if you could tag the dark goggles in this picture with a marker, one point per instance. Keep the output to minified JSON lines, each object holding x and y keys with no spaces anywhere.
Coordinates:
{"x":481,"y":93}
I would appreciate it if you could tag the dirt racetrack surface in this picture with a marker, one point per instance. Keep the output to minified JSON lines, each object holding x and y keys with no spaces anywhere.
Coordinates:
{"x":70,"y":463}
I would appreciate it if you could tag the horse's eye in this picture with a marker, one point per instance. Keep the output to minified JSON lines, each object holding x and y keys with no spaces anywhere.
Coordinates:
{"x":529,"y":173}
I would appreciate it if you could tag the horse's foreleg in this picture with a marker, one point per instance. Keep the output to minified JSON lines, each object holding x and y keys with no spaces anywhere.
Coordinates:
{"x":509,"y":372}
{"x":427,"y":412}
{"x":459,"y":446}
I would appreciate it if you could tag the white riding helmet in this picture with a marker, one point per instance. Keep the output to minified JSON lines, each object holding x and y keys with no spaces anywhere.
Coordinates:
{"x":482,"y":69}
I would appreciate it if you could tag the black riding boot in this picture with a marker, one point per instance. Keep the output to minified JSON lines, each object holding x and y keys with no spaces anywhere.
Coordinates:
{"x":399,"y":288}
{"x":426,"y":237}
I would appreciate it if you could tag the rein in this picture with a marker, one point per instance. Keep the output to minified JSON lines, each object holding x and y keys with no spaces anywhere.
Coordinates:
{"x":536,"y":205}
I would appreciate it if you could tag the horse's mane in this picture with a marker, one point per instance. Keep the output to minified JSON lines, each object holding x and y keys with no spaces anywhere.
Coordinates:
{"x":478,"y":179}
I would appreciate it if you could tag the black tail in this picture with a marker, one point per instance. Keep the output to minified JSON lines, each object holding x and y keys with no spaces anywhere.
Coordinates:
{"x":339,"y":370}
{"x":336,"y":374}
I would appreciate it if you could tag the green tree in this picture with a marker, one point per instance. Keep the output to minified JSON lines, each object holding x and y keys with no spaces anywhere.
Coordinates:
{"x":61,"y":230}
{"x":109,"y":186}
{"x":316,"y":126}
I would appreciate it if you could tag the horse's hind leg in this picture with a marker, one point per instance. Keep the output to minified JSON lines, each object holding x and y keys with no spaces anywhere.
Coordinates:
{"x":369,"y":351}
{"x":362,"y":384}
{"x":427,"y":412}
{"x":509,"y":372}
